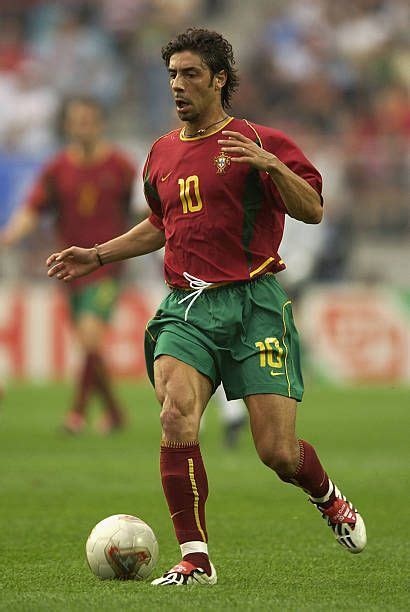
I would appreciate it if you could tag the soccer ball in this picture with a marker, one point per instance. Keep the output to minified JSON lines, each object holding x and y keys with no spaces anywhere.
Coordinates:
{"x":122,"y":547}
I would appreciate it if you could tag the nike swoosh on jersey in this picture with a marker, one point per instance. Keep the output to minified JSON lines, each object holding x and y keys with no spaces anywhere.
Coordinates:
{"x":272,"y":373}
{"x":164,"y":178}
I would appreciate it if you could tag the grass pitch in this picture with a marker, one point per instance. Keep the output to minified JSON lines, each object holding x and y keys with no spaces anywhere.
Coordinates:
{"x":271,"y":549}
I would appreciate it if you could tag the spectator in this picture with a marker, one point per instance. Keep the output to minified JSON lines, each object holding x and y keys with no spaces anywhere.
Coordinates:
{"x":80,"y":57}
{"x":29,"y":106}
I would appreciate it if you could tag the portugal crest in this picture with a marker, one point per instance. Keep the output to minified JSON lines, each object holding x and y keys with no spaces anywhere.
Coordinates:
{"x":222,"y":162}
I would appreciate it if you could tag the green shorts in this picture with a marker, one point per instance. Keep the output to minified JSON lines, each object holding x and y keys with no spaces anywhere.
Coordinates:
{"x":242,"y":335}
{"x":98,"y":299}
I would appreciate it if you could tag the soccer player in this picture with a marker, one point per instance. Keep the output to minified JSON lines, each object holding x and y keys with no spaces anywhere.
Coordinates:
{"x":88,"y":187}
{"x":219,"y":189}
{"x":233,"y":416}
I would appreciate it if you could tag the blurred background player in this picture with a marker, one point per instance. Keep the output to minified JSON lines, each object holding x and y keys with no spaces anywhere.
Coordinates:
{"x":88,"y":187}
{"x":233,"y":416}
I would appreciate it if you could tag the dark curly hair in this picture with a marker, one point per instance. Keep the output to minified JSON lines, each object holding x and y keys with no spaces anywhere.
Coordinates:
{"x":215,"y":51}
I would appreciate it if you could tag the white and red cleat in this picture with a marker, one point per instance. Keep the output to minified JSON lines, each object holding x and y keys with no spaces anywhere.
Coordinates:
{"x":344,"y":520}
{"x":185,"y":574}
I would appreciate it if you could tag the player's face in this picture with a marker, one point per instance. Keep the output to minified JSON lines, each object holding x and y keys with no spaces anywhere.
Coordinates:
{"x":83,"y":123}
{"x":195,"y":90}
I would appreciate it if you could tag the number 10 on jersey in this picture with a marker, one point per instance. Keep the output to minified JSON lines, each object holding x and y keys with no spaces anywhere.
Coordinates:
{"x":189,"y":194}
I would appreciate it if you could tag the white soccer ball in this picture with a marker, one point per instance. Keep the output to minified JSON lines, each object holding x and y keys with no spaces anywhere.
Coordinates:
{"x":122,"y":547}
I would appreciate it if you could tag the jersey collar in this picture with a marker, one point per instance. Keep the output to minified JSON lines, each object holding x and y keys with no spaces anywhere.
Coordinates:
{"x":221,"y":127}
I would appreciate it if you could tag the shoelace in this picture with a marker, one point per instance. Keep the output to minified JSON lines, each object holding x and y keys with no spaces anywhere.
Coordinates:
{"x":198,"y":285}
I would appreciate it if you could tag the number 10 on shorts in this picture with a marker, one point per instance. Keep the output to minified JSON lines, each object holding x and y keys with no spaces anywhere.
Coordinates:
{"x":270,"y":353}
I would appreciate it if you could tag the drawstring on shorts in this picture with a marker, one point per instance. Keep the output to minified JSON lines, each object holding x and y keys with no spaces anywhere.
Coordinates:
{"x":198,"y":286}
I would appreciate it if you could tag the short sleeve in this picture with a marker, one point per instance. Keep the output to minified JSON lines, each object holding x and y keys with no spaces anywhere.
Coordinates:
{"x":152,"y":196}
{"x":42,"y":194}
{"x":128,"y":173}
{"x":291,"y":155}
{"x":156,"y":221}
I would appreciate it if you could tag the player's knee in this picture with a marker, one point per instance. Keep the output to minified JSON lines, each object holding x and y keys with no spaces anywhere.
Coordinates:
{"x":282,"y":459}
{"x":175,"y":400}
{"x":171,"y":419}
{"x":179,"y":401}
{"x":90,"y":332}
{"x":176,"y":414}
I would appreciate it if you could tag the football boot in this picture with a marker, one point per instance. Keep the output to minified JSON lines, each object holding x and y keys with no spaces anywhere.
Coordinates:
{"x":185,"y":574}
{"x":345,"y":522}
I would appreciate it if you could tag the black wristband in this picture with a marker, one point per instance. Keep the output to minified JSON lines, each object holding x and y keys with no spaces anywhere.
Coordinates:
{"x":100,"y":261}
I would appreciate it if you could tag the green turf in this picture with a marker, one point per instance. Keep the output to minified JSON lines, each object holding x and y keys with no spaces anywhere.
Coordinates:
{"x":271,"y":548}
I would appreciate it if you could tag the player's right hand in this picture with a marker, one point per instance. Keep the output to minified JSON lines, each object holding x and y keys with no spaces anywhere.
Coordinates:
{"x":72,"y":263}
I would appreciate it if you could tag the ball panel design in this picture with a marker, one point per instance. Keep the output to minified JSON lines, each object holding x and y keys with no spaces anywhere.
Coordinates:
{"x":123,"y":547}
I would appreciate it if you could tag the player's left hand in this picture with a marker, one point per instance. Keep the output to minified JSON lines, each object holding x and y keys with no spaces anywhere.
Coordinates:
{"x":247,"y":151}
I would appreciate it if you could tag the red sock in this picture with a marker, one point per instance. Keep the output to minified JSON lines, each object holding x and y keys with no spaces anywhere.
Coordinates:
{"x":85,"y":384}
{"x":310,"y":474}
{"x":185,"y":487}
{"x":104,"y":386}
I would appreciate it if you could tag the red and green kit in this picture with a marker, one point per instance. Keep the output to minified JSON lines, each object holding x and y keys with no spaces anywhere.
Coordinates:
{"x":223,"y":223}
{"x":91,"y":203}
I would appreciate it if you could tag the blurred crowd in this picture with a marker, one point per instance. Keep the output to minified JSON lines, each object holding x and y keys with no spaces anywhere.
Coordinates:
{"x":334,"y":75}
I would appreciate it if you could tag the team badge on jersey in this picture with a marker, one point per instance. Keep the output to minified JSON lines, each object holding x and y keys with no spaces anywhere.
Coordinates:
{"x":222,"y":162}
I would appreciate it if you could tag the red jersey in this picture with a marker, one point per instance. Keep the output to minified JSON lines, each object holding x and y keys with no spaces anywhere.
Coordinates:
{"x":223,"y":221}
{"x":91,"y":200}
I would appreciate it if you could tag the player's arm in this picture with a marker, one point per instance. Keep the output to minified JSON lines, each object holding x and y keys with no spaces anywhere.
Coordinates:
{"x":75,"y":262}
{"x":301,"y":200}
{"x":27,"y":217}
{"x":22,"y":223}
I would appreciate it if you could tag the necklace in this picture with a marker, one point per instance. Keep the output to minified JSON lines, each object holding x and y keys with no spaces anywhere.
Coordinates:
{"x":203,"y":130}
